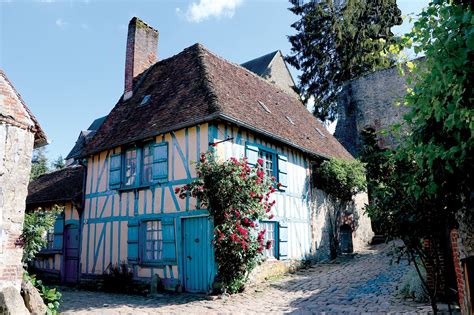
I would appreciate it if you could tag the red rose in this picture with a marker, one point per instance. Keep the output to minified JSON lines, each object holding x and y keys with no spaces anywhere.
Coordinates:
{"x":246,"y":220}
{"x":176,"y":190}
{"x":260,"y":249}
{"x":279,"y":184}
{"x":203,"y":157}
{"x":269,"y":244}
{"x":273,"y":178}
{"x":260,"y":173}
{"x":252,"y":224}
{"x":237,"y":214}
{"x":260,"y":161}
{"x":213,"y":144}
{"x":270,"y":216}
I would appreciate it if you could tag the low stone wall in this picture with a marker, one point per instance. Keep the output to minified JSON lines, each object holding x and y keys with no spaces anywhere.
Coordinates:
{"x":273,"y":268}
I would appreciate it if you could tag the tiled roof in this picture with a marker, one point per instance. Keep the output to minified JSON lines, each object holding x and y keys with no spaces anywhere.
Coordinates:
{"x":260,"y":65}
{"x":84,"y":137}
{"x":58,"y":186}
{"x":196,"y":86}
{"x":13,"y":110}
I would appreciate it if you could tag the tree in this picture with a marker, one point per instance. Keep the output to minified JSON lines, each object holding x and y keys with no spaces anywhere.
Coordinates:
{"x":337,"y":41}
{"x":428,"y":179}
{"x":39,"y":164}
{"x":58,"y":163}
{"x":340,"y":180}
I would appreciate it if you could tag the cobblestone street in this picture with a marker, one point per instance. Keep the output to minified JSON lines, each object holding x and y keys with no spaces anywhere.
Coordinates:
{"x":366,"y":284}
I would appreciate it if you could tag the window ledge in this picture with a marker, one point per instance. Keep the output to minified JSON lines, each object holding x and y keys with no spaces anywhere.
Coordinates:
{"x":125,"y":188}
{"x":158,"y":263}
{"x":49,"y":252}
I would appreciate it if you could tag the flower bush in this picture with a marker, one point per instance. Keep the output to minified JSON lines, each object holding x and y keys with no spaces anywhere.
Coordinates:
{"x":238,"y":196}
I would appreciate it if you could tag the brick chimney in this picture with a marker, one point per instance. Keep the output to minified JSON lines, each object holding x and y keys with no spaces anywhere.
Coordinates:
{"x":142,"y":42}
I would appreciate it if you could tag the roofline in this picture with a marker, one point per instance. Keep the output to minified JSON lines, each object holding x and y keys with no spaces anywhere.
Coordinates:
{"x":210,"y":118}
{"x":42,"y":202}
{"x":273,"y":136}
{"x":287,"y":69}
{"x":189,"y":123}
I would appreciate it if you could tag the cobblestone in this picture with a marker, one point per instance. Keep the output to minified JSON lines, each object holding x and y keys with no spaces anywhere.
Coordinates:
{"x":367,"y":283}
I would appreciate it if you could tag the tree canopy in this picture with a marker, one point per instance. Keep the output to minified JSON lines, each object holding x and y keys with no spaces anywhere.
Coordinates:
{"x":337,"y":41}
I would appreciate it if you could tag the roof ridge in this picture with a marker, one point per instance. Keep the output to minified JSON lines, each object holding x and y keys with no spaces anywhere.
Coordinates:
{"x":65,"y":168}
{"x":241,"y":67}
{"x":203,"y":68}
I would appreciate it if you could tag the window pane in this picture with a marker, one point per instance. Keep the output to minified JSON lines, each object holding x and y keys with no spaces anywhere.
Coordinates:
{"x":267,"y":158}
{"x":154,"y":241}
{"x":147,"y":164}
{"x":130,"y":167}
{"x":269,"y":236}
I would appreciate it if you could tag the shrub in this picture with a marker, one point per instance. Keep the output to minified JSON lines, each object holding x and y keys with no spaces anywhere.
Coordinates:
{"x":238,"y":197}
{"x":51,"y":296}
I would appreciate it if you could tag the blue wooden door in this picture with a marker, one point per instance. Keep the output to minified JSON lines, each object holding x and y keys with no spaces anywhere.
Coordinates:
{"x":198,"y":256}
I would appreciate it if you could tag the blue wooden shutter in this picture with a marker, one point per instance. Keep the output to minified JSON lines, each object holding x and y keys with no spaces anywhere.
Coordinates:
{"x":282,"y":240}
{"x":58,"y":232}
{"x":169,"y":240}
{"x":115,"y":171}
{"x":283,"y":171}
{"x":132,"y":241}
{"x":251,"y":152}
{"x":160,"y":162}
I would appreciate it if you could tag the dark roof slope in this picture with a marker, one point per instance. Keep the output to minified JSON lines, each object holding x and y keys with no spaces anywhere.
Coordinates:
{"x":260,"y":65}
{"x":84,"y":137}
{"x":197,"y":86}
{"x":58,"y":186}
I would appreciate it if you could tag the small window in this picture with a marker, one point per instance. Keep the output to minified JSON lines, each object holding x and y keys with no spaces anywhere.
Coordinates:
{"x":270,"y":235}
{"x":264,"y":107}
{"x":153,"y":241}
{"x":145,"y":100}
{"x":268,"y":162}
{"x":130,"y":176}
{"x":50,"y":239}
{"x":290,"y":120}
{"x":147,"y":164}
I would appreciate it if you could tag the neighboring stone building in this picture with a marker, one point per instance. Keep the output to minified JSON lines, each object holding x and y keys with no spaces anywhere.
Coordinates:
{"x":370,"y":102}
{"x":19,"y":133}
{"x":273,"y":68}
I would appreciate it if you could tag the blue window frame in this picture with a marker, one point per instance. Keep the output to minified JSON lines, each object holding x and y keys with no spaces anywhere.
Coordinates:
{"x":270,"y":235}
{"x":274,"y":164}
{"x":139,"y":166}
{"x":268,"y":164}
{"x":156,"y":244}
{"x":130,"y":175}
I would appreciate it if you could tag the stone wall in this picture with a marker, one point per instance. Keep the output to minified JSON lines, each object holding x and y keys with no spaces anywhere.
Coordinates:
{"x":16,"y":146}
{"x":360,"y":223}
{"x":369,"y":102}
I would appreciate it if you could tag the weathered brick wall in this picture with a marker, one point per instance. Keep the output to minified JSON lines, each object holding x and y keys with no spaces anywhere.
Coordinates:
{"x":16,"y":146}
{"x":362,"y":233}
{"x":369,"y":102}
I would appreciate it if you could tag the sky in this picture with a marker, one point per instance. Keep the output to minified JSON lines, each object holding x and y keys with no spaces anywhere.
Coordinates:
{"x":66,"y":58}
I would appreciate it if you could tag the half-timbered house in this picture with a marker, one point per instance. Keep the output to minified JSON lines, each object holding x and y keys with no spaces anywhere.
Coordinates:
{"x":170,"y":112}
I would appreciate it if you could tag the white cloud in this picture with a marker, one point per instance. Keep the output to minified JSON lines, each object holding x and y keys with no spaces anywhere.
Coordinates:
{"x":205,"y":9}
{"x":60,"y":23}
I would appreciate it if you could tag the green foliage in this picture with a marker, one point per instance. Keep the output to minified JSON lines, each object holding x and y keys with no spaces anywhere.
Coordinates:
{"x":58,"y":163}
{"x":35,"y":228}
{"x":335,"y":43}
{"x":427,"y":181}
{"x":341,"y":180}
{"x":51,"y":296}
{"x":39,"y":164}
{"x":238,"y":197}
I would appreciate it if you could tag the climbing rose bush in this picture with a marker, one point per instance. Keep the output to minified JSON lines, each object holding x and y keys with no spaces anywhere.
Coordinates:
{"x":238,"y":196}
